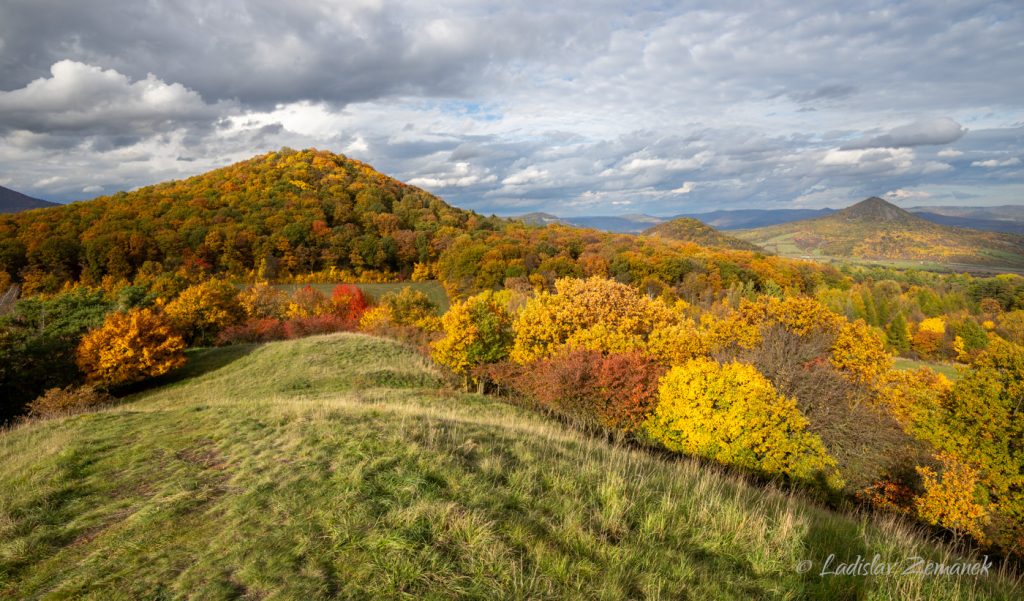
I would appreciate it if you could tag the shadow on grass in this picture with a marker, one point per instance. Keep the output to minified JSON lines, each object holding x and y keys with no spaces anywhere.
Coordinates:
{"x":200,"y":361}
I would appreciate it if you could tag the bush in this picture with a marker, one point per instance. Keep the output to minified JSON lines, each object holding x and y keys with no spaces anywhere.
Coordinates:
{"x":130,"y":347}
{"x":477,"y":331}
{"x":253,"y":331}
{"x":348,"y":302}
{"x":300,"y":327}
{"x":308,"y":302}
{"x":863,"y":436}
{"x":200,"y":312}
{"x":72,"y":399}
{"x":614,"y":391}
{"x":263,"y":302}
{"x":732,"y":414}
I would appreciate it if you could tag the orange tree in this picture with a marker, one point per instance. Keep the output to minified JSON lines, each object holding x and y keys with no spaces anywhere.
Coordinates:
{"x":130,"y":347}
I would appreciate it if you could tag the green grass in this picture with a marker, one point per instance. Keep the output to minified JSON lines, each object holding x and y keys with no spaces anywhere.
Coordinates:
{"x":432,"y":288}
{"x":947,"y":369}
{"x":339,"y":467}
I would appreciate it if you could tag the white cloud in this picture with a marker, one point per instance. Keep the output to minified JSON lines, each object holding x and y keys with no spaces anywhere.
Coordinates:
{"x":686,"y":188}
{"x":994,"y":163}
{"x":530,"y":175}
{"x":902,"y":194}
{"x":949,"y":153}
{"x":84,"y":98}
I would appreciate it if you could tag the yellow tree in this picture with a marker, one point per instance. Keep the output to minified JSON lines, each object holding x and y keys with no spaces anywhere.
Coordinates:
{"x":732,"y":414}
{"x":200,"y":312}
{"x":129,"y":347}
{"x":593,"y":314}
{"x":477,"y":331}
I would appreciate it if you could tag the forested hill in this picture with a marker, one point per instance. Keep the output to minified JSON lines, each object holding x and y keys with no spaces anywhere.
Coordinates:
{"x":280,"y":213}
{"x":687,"y":229}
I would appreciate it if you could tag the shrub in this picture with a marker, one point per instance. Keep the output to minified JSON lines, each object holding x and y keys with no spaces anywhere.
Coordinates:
{"x":628,"y":385}
{"x":308,"y":302}
{"x":477,"y":331}
{"x":950,"y":499}
{"x":348,"y":302}
{"x":408,"y":315}
{"x":72,"y":399}
{"x":253,"y":330}
{"x":263,"y":302}
{"x":130,"y":347}
{"x":732,"y":414}
{"x":200,"y":312}
{"x":300,"y":327}
{"x":588,"y":387}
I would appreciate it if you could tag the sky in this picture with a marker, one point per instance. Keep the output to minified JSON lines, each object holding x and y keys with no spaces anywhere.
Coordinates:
{"x":511,"y":106}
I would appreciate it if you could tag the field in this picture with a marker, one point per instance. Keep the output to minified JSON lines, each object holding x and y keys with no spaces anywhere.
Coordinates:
{"x":946,"y":369}
{"x":432,"y":288}
{"x":341,"y":467}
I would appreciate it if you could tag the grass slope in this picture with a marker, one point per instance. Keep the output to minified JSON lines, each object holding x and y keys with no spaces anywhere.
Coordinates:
{"x":337,"y":466}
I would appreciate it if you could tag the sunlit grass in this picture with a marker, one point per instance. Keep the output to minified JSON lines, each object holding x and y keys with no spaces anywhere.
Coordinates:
{"x":340,"y":467}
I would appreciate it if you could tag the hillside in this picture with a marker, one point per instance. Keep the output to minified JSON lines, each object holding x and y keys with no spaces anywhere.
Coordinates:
{"x":686,"y":229}
{"x":277,"y":214}
{"x":877,"y":230}
{"x":12,"y":201}
{"x":336,"y":467}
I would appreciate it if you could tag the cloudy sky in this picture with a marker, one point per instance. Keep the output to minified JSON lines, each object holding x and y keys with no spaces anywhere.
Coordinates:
{"x":510,"y":106}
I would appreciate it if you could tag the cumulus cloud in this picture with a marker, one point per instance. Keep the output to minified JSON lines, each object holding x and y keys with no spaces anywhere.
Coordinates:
{"x":85,"y":98}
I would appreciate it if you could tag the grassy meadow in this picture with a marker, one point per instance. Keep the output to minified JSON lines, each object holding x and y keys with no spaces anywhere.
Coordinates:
{"x":341,"y":467}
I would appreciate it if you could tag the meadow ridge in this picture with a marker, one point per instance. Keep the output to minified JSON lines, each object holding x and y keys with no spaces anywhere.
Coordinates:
{"x":343,"y":466}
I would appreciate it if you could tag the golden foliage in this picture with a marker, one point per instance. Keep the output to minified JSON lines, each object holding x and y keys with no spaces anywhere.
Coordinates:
{"x":859,"y":352}
{"x":950,"y":499}
{"x":201,"y":311}
{"x":594,"y":314}
{"x":72,"y":399}
{"x":129,"y":347}
{"x":732,"y":414}
{"x":477,"y":331}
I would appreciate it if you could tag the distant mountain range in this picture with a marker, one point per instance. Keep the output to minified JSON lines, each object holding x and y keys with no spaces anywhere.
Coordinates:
{"x":15,"y":202}
{"x":874,"y":229}
{"x":1009,"y":218}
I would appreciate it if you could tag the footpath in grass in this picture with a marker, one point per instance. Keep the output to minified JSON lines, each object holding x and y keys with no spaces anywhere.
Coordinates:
{"x":340,"y":467}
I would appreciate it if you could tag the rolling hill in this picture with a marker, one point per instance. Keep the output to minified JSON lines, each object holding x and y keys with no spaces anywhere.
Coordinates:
{"x":12,"y":201}
{"x":874,"y":229}
{"x":279,"y":213}
{"x":686,"y":229}
{"x":340,"y":467}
